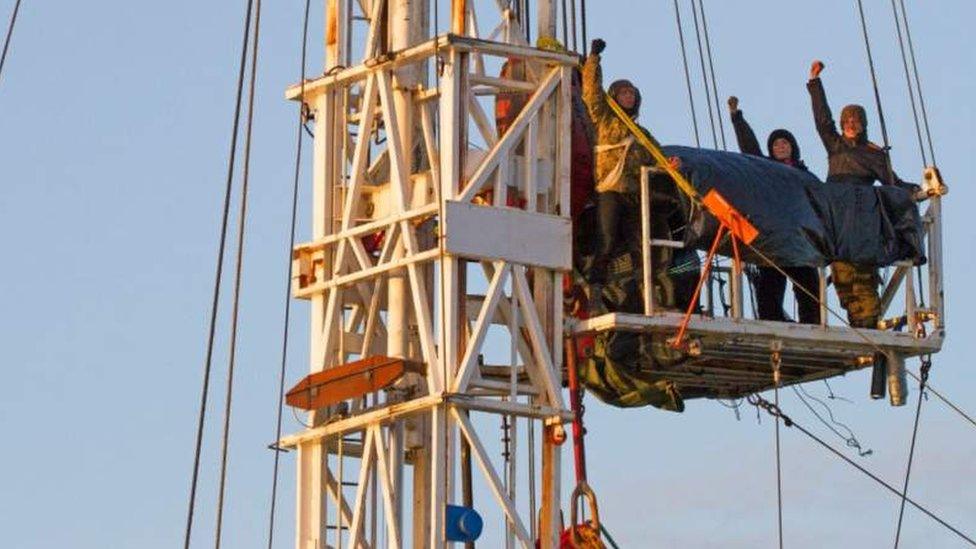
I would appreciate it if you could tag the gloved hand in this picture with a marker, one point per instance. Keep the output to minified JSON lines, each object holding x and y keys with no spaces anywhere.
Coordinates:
{"x":816,"y":68}
{"x":733,"y":104}
{"x":597,"y":46}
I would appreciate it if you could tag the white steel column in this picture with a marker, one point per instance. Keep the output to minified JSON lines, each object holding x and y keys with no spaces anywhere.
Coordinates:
{"x":376,"y":138}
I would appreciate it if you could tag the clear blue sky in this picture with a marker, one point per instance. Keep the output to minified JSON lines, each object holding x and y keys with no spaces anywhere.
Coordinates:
{"x":114,"y":120}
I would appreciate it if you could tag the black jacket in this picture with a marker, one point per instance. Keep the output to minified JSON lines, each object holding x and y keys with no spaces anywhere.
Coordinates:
{"x":859,"y":162}
{"x":748,"y":144}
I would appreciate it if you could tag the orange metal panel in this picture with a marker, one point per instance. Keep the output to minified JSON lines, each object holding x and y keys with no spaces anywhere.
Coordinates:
{"x":351,"y":380}
{"x":730,"y":217}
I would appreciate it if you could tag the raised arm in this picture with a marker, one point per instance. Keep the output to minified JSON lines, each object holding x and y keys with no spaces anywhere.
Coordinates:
{"x":593,"y":93}
{"x":748,"y":144}
{"x":821,"y":110}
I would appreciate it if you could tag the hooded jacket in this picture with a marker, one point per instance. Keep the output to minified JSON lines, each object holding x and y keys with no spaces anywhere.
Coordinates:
{"x":748,"y":144}
{"x":859,"y":161}
{"x":618,"y":156}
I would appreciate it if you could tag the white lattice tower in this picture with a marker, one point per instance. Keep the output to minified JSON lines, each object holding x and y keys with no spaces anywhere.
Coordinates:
{"x":393,"y":155}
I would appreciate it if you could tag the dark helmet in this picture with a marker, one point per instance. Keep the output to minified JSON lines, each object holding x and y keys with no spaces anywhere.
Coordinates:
{"x":619,"y":85}
{"x":784,"y":134}
{"x":855,"y":111}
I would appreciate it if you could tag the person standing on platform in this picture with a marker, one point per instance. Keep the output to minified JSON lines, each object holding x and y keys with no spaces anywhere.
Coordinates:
{"x":854,"y":160}
{"x":771,"y":283}
{"x":619,"y":158}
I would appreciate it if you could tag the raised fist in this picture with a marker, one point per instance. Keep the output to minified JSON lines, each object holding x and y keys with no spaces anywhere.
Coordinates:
{"x":815,"y":69}
{"x":597,"y":46}
{"x":733,"y":104}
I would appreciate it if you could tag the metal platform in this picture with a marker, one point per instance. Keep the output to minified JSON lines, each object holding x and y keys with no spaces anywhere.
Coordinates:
{"x":731,"y":358}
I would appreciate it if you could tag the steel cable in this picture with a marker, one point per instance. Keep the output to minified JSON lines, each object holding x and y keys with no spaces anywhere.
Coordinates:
{"x":701,"y":60}
{"x":583,"y":26}
{"x":779,"y":467}
{"x":918,"y":82}
{"x":858,"y":332}
{"x":877,"y":93}
{"x":773,"y":410}
{"x":208,"y":361}
{"x":911,"y":96}
{"x":684,"y":58}
{"x":10,"y":33}
{"x":235,"y":308}
{"x":711,"y":70}
{"x":926,"y":365}
{"x":908,"y":81}
{"x":291,"y":245}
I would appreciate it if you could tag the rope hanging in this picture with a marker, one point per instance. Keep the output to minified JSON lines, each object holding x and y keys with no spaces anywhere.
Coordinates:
{"x":10,"y":33}
{"x":701,"y":60}
{"x":926,"y":366}
{"x":565,"y":23}
{"x":239,"y":263}
{"x":291,"y":246}
{"x":918,"y":81}
{"x":777,"y":360}
{"x":908,"y":82}
{"x":774,"y":410}
{"x":582,"y":25}
{"x":572,"y":15}
{"x":684,"y":59}
{"x":874,"y":84}
{"x":208,"y":361}
{"x":918,"y":128}
{"x":711,"y":71}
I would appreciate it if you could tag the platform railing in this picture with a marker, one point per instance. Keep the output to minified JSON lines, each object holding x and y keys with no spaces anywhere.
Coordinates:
{"x":900,"y":287}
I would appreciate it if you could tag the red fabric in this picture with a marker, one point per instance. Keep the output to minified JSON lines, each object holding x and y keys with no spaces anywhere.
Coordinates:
{"x":373,"y":242}
{"x":581,"y":167}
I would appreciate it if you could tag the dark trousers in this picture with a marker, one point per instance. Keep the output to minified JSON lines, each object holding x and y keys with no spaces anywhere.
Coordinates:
{"x":771,"y":288}
{"x":614,"y":212}
{"x":618,"y":223}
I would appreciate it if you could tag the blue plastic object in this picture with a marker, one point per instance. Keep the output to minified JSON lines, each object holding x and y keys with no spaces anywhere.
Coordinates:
{"x":463,"y":524}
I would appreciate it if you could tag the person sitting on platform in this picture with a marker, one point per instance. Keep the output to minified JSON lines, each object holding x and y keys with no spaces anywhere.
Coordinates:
{"x":619,"y":158}
{"x":852,"y":159}
{"x":771,"y":284}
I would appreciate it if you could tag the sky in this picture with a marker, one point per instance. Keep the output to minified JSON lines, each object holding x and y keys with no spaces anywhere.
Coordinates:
{"x":114,"y":131}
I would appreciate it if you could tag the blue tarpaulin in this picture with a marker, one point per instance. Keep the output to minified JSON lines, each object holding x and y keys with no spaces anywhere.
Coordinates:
{"x":801,"y":220}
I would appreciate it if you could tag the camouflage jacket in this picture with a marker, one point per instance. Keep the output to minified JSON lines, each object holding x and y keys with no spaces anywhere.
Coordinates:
{"x":615,"y":143}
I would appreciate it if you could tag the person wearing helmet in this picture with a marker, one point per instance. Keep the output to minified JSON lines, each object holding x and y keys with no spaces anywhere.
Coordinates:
{"x":854,"y":160}
{"x":771,"y":283}
{"x":619,"y":158}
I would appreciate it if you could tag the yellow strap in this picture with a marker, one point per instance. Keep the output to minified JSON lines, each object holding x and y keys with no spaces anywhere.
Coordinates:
{"x":655,"y":151}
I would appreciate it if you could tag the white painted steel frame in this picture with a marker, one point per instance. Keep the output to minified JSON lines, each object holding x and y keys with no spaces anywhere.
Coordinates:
{"x":352,"y":310}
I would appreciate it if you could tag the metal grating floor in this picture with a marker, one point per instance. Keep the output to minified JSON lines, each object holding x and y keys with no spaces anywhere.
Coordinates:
{"x":733,"y":356}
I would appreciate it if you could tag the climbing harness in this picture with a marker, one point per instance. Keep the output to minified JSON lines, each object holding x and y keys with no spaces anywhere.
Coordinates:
{"x":662,"y":162}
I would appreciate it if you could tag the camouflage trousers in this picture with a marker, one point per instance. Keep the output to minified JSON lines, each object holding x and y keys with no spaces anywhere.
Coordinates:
{"x":857,"y":289}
